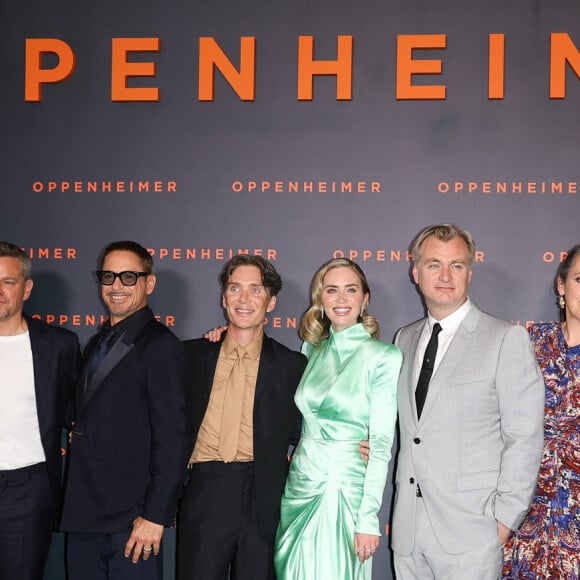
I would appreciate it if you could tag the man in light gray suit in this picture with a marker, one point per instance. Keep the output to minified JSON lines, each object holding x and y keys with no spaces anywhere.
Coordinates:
{"x":471,"y":404}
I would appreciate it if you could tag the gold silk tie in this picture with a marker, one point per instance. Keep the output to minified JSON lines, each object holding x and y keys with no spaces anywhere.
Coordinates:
{"x":232,"y":409}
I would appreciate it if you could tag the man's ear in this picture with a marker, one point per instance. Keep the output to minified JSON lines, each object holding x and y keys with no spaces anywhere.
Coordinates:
{"x":271,"y":304}
{"x":28,"y":284}
{"x":415,"y":274}
{"x":151,"y":280}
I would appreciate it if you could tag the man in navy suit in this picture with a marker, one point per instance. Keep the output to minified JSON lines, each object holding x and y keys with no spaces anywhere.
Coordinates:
{"x":244,"y":420}
{"x":38,"y":365}
{"x":130,"y":441}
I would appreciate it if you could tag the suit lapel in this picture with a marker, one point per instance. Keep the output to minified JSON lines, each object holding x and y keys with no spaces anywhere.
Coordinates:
{"x":264,"y":369}
{"x":454,"y":355}
{"x":409,"y":366}
{"x":263,"y":384}
{"x":210,"y":364}
{"x":118,"y":352}
{"x":42,"y":353}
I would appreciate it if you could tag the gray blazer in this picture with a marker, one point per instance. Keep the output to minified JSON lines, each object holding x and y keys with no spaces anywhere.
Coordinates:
{"x":476,"y":450}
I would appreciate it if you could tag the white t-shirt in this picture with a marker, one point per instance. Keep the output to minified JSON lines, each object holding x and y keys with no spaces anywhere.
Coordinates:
{"x":20,"y":443}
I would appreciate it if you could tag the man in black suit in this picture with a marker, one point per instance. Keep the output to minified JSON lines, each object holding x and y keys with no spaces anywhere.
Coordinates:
{"x":130,"y":441}
{"x":38,"y":365}
{"x":244,"y":421}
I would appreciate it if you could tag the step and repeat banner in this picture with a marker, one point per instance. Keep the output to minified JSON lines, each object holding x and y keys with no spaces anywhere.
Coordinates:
{"x":299,"y":131}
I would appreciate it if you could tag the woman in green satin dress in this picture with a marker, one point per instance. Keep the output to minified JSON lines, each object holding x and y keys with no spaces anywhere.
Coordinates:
{"x":329,"y":526}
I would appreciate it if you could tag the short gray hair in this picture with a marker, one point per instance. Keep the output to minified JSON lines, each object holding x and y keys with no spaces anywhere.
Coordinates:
{"x":10,"y":250}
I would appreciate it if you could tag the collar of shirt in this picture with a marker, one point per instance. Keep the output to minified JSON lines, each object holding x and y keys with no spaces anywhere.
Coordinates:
{"x":126,"y":323}
{"x":253,"y":349}
{"x":110,"y":334}
{"x":449,"y":326}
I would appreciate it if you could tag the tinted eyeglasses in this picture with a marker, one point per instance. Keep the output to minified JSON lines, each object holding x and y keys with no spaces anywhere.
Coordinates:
{"x":128,"y":278}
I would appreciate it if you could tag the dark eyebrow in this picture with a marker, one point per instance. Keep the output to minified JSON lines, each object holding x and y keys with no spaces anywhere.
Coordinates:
{"x":240,"y":284}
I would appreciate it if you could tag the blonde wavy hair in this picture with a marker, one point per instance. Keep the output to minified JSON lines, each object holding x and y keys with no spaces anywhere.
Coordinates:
{"x":314,"y":327}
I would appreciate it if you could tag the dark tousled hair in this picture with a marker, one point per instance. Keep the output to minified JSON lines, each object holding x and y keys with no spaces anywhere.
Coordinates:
{"x":271,"y":280}
{"x":128,"y":246}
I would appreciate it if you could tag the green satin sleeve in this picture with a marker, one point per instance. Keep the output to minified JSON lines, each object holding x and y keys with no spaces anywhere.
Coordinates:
{"x":381,"y":374}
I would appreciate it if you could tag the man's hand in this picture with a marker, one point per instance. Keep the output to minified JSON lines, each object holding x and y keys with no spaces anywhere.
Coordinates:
{"x":145,"y":537}
{"x":364,"y":448}
{"x":365,"y":546}
{"x":215,"y":334}
{"x":503,"y":534}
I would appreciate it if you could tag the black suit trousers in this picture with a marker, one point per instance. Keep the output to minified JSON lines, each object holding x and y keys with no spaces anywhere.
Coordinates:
{"x":26,"y":518}
{"x":218,"y":530}
{"x":102,"y":557}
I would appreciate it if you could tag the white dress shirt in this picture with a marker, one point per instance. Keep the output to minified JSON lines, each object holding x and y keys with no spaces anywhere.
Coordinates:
{"x":449,"y":326}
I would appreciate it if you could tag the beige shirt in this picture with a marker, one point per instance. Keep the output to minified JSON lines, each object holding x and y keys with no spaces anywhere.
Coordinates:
{"x":207,"y":444}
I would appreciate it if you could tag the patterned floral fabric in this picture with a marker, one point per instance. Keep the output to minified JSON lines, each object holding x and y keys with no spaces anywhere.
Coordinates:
{"x":547,"y":545}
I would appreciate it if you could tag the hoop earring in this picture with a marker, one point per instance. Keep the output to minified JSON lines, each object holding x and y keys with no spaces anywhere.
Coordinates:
{"x":561,"y":301}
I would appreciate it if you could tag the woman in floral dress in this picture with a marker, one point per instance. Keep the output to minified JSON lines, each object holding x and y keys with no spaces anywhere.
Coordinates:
{"x":547,"y":544}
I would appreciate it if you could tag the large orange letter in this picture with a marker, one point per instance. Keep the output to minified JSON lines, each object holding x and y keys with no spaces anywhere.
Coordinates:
{"x":35,"y":76}
{"x":496,"y":76}
{"x":407,"y":67}
{"x":211,"y":56}
{"x":121,"y":69}
{"x":308,"y":68}
{"x":563,"y":51}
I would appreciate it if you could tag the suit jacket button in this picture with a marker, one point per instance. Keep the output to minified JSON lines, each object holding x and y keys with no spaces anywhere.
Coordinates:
{"x":417,"y":440}
{"x":411,"y":480}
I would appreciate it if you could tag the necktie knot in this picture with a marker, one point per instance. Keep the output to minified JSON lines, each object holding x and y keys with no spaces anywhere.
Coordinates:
{"x":240,"y":353}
